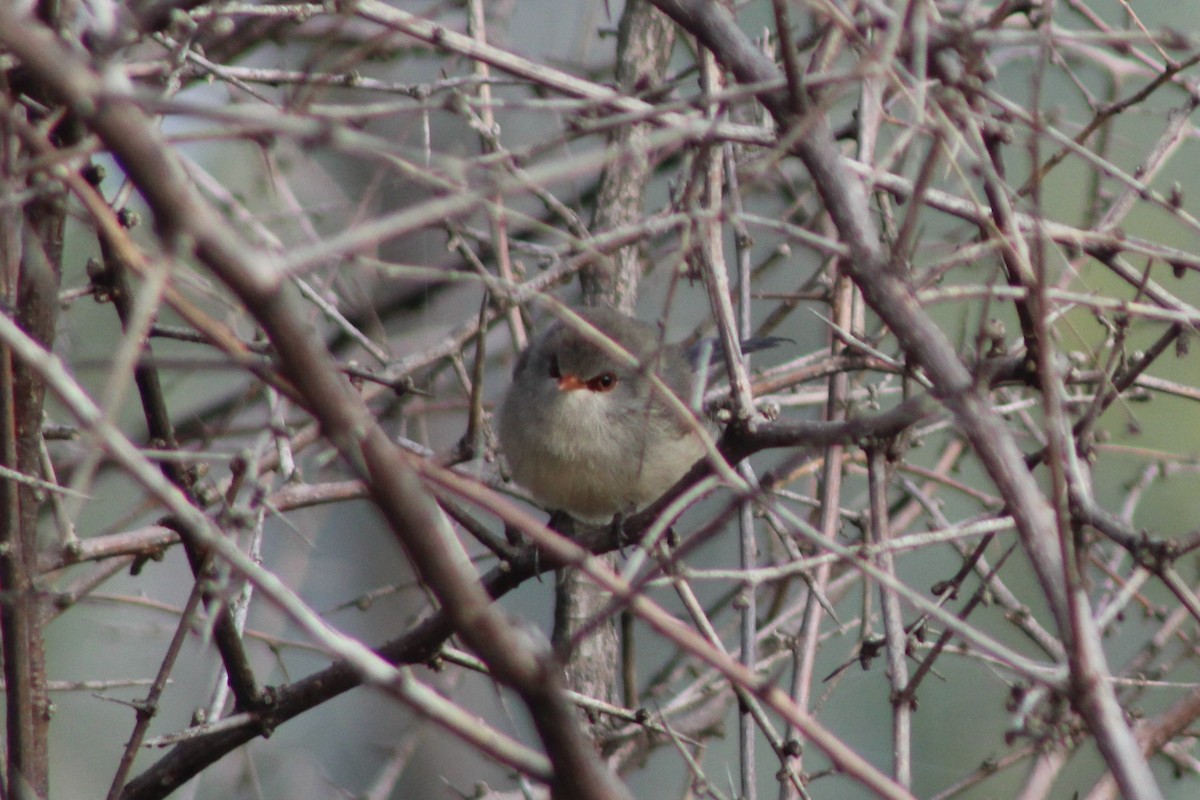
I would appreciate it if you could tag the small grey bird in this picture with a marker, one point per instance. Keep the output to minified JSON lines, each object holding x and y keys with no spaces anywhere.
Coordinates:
{"x":587,"y":433}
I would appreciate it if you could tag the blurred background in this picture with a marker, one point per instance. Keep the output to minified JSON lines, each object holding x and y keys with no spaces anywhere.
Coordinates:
{"x":305,"y":126}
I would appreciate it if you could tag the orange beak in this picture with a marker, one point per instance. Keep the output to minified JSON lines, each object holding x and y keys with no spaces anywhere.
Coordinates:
{"x":568,"y":383}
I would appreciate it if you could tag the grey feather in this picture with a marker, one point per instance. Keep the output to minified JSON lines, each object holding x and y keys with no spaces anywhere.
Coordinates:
{"x":597,"y":450}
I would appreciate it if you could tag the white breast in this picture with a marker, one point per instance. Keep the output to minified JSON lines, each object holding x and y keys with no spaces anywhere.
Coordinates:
{"x":575,"y":458}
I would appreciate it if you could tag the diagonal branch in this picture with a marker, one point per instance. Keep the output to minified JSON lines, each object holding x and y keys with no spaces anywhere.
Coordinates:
{"x":891,"y":296}
{"x":183,"y":218}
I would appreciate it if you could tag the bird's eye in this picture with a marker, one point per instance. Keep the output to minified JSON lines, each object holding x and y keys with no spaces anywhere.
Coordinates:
{"x":555,"y":373}
{"x":604,"y":382}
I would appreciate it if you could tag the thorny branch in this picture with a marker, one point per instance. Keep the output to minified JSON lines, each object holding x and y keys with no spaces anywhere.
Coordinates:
{"x":358,"y":287}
